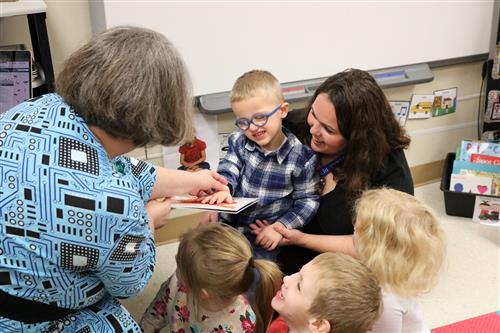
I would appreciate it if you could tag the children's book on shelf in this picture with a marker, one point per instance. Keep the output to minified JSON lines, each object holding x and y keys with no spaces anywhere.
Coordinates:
{"x":469,"y":147}
{"x":486,"y":210}
{"x":495,"y":179}
{"x":477,"y":168}
{"x":470,"y":184}
{"x":485,"y":159}
{"x":464,"y":165}
{"x":238,"y":205}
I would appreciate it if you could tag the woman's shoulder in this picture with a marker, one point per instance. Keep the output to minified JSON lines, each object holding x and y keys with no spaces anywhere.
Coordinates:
{"x":395,"y":173}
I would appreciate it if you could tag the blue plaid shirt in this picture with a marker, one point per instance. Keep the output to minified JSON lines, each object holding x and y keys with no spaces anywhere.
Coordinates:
{"x":285,"y":181}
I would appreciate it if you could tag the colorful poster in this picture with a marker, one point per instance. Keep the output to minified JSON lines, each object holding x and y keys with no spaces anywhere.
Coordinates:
{"x":492,"y":112}
{"x":400,"y":110}
{"x":486,"y":210}
{"x":445,"y":102}
{"x":421,"y":106}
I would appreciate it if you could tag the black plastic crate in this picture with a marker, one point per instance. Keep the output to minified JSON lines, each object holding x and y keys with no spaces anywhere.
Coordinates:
{"x":456,"y":203}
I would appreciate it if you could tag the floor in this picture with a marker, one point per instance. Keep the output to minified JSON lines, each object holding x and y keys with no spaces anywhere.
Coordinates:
{"x":469,"y":285}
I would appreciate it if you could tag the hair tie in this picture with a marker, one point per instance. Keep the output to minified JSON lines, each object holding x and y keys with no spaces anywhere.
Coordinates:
{"x":255,"y":283}
{"x":251,"y":263}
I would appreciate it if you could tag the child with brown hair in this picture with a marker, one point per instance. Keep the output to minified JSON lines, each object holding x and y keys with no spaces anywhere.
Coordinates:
{"x":332,"y":293}
{"x":400,"y":240}
{"x":215,"y":269}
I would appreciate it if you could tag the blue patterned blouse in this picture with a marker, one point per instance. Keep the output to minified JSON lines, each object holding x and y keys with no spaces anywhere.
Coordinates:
{"x":73,"y":225}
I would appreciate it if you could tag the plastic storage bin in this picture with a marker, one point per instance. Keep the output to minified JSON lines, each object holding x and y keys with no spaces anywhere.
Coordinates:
{"x":456,"y":203}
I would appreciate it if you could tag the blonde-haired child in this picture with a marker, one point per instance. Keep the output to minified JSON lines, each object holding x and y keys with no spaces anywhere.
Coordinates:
{"x":267,"y":161}
{"x":400,"y":240}
{"x":332,"y":293}
{"x":215,"y":269}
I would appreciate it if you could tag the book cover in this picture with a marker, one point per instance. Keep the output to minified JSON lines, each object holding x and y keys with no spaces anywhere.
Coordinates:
{"x":495,"y":185}
{"x":470,"y":184}
{"x":459,"y":165}
{"x":237,"y":206}
{"x":469,"y":147}
{"x":485,"y":159}
{"x":486,"y":210}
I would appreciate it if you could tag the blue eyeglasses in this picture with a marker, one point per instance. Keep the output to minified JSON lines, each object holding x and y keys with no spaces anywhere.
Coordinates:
{"x":258,"y":119}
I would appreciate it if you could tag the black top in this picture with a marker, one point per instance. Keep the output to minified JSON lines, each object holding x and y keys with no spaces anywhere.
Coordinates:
{"x":334,"y":216}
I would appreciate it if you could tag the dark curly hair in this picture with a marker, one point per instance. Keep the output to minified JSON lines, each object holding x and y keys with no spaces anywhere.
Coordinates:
{"x":366,"y":121}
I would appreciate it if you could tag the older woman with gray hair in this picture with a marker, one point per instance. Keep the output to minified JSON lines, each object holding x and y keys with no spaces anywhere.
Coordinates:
{"x":77,"y":217}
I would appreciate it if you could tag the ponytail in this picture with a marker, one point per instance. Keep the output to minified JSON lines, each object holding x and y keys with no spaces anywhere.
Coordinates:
{"x":227,"y":270}
{"x":270,"y":282}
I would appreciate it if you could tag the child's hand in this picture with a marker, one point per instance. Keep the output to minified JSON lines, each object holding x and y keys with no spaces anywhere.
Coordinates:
{"x":210,"y":218}
{"x":218,"y":197}
{"x":268,"y":238}
{"x":258,"y":226}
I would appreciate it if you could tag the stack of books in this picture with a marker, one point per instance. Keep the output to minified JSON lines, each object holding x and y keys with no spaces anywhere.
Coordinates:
{"x":476,"y":168}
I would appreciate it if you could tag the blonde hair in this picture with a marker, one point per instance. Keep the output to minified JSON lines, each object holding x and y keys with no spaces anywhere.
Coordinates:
{"x":400,"y":240}
{"x":256,"y":83}
{"x":349,"y":296}
{"x":218,"y":259}
{"x":132,"y":83}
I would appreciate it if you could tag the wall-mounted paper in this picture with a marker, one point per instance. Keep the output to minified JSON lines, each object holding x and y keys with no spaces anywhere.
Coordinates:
{"x":421,"y":106}
{"x":445,"y":101}
{"x":400,"y":110}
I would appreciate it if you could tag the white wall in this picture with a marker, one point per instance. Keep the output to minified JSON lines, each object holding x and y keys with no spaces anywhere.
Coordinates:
{"x":69,"y":27}
{"x":307,"y":40}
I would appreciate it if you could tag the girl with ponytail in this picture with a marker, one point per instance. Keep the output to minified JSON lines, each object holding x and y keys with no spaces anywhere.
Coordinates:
{"x":207,"y":293}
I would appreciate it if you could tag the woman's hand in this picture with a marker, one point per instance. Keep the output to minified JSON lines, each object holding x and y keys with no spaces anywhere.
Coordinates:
{"x":170,"y":183}
{"x":290,"y":236}
{"x":158,"y":212}
{"x":208,"y":181}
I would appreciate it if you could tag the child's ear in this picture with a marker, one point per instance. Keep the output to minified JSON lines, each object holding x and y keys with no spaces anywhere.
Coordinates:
{"x":284,"y":110}
{"x":319,"y":326}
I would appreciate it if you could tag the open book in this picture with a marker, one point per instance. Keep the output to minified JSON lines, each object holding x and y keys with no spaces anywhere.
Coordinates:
{"x":237,"y":206}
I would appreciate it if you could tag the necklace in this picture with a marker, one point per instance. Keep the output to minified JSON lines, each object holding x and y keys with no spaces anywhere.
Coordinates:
{"x":327,"y":168}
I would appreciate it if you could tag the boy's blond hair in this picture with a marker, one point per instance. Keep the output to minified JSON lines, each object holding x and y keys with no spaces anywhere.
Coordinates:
{"x":256,"y":83}
{"x":400,"y":240}
{"x":218,"y":259}
{"x":349,"y":296}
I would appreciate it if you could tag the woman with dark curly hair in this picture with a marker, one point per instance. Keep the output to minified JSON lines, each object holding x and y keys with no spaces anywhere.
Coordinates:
{"x":350,"y":125}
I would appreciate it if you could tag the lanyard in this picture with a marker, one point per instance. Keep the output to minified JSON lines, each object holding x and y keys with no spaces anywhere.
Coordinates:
{"x":326,"y":169}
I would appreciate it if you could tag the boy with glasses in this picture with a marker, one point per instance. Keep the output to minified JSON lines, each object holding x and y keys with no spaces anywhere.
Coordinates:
{"x":267,"y":161}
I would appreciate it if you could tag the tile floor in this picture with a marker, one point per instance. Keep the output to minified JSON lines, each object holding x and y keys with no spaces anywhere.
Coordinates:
{"x":469,"y":285}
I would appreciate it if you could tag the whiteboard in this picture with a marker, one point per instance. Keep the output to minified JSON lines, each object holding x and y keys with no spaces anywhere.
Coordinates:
{"x":296,"y":41}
